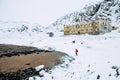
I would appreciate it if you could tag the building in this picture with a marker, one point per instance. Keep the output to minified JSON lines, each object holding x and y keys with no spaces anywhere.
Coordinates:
{"x":91,"y":27}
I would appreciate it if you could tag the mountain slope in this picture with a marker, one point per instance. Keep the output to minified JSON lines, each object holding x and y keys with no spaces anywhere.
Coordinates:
{"x":108,"y":9}
{"x":20,"y":27}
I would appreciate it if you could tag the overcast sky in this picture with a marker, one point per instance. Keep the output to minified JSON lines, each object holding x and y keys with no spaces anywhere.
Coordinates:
{"x":43,"y":12}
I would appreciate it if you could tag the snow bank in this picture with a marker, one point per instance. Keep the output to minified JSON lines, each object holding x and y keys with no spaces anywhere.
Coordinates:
{"x":38,"y":68}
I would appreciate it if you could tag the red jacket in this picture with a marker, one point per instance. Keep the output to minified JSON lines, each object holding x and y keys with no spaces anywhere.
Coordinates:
{"x":76,"y":50}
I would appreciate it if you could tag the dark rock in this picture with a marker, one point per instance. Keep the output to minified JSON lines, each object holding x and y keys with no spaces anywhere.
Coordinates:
{"x":89,"y":65}
{"x":98,"y":76}
{"x":73,"y":41}
{"x":109,"y":74}
{"x":28,"y":64}
{"x":14,"y":50}
{"x":28,"y":71}
{"x":51,"y":34}
{"x":114,"y":67}
{"x":41,"y":75}
{"x":8,"y":55}
{"x":25,"y":52}
{"x":19,"y":75}
{"x":107,"y":0}
{"x":105,"y":38}
{"x":1,"y":78}
{"x":117,"y":73}
{"x":88,"y":70}
{"x":82,"y":42}
{"x":52,"y":77}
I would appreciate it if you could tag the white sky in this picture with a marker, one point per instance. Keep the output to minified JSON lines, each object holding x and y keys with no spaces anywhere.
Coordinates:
{"x":43,"y":12}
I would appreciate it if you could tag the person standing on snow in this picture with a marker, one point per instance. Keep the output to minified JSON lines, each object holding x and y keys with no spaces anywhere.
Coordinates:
{"x":76,"y":52}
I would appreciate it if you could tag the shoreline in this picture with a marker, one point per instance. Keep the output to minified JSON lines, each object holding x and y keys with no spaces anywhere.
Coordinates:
{"x":19,"y":62}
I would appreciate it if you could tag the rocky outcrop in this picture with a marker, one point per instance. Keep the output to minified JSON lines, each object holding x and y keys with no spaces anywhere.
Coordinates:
{"x":13,"y":50}
{"x":107,"y":9}
{"x":19,"y":62}
{"x":21,"y":74}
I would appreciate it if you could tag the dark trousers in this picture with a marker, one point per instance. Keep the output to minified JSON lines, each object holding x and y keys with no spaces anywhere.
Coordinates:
{"x":76,"y":54}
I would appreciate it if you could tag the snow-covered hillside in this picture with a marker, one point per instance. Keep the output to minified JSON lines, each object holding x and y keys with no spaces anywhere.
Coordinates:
{"x":98,"y":56}
{"x":20,"y":31}
{"x":20,"y":27}
{"x":107,"y":9}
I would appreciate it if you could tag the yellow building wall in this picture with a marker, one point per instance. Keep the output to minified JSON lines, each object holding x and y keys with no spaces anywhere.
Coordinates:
{"x":91,"y":27}
{"x":84,"y":29}
{"x":73,"y":29}
{"x":80,"y":28}
{"x":67,"y":29}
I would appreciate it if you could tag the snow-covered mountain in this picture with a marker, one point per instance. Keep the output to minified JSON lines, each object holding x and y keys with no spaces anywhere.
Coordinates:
{"x":20,"y":27}
{"x":21,"y":32}
{"x":107,"y":9}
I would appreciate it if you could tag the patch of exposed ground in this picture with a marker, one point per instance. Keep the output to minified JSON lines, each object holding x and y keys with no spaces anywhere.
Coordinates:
{"x":22,"y":57}
{"x":19,"y":62}
{"x":14,"y":63}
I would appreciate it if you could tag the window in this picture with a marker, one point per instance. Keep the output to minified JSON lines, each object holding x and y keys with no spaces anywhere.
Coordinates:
{"x":87,"y":30}
{"x":90,"y":25}
{"x":105,"y":27}
{"x":96,"y":29}
{"x":82,"y":30}
{"x":91,"y":29}
{"x":77,"y":26}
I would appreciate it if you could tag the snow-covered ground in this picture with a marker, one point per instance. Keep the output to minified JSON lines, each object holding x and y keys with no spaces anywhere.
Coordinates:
{"x":97,"y":57}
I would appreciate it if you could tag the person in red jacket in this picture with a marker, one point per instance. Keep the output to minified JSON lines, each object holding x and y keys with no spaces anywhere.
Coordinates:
{"x":76,"y":52}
